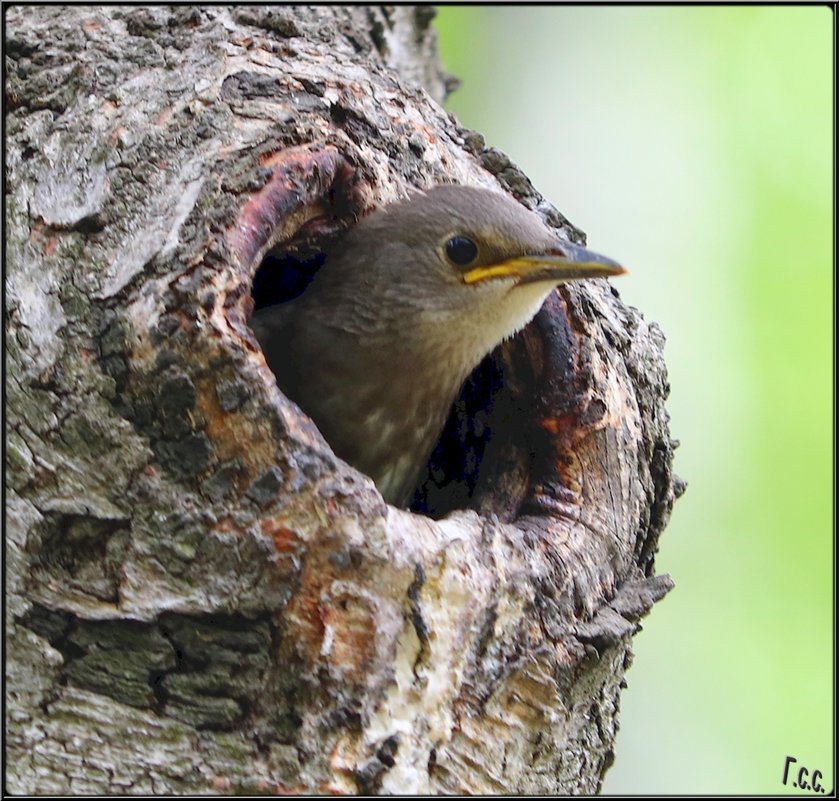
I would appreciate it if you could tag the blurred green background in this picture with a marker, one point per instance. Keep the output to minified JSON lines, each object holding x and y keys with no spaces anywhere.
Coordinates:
{"x":695,"y":145}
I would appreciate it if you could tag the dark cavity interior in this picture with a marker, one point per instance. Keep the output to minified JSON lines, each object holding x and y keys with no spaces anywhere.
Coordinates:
{"x":282,"y":276}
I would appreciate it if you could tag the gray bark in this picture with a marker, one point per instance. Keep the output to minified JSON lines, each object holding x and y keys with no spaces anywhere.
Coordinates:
{"x":200,"y":596}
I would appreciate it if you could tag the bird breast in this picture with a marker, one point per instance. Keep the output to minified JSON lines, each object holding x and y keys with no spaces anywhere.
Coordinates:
{"x":386,"y":420}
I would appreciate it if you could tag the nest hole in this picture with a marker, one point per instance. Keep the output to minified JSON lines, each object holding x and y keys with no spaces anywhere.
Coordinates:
{"x":453,"y":477}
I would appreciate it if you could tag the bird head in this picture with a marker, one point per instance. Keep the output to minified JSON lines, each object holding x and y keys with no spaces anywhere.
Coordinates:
{"x":456,"y":263}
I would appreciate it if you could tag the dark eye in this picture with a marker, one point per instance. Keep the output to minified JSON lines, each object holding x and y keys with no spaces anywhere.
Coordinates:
{"x":461,"y":250}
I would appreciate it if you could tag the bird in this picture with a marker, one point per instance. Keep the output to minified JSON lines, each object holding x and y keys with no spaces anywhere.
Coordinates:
{"x":405,"y":306}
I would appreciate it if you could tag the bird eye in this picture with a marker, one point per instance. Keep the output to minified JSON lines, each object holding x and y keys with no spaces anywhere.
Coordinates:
{"x":461,"y":250}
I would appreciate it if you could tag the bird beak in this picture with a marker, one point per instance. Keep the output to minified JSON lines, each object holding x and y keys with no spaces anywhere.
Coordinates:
{"x":564,"y":262}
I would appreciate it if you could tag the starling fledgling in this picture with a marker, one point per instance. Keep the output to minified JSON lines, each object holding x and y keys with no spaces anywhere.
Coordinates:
{"x":377,"y":348}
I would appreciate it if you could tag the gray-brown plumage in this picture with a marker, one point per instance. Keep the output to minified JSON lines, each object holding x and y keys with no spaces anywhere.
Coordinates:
{"x":416,"y":294}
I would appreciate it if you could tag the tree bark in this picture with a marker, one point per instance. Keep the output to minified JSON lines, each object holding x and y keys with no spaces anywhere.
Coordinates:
{"x":201,"y":597}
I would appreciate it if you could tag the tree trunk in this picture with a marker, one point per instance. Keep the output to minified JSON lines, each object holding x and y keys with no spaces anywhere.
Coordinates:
{"x":201,"y":596}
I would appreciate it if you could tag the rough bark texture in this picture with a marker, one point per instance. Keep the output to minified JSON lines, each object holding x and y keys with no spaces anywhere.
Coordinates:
{"x":201,"y":597}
